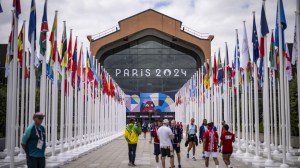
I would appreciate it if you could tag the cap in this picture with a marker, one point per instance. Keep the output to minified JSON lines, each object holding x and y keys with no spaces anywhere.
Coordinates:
{"x":165,"y":121}
{"x":37,"y":114}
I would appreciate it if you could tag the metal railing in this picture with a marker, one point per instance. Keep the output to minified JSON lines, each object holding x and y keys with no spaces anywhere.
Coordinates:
{"x":194,"y":32}
{"x":105,"y":32}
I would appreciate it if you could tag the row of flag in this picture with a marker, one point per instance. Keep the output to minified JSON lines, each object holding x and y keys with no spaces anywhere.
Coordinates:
{"x":214,"y":74}
{"x":67,"y":57}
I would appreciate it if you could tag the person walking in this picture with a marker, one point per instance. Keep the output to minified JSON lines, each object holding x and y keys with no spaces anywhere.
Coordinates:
{"x":144,"y":128}
{"x":165,"y":136}
{"x":131,"y":134}
{"x":156,"y":142}
{"x":227,"y":138}
{"x":210,"y":145}
{"x":34,"y":142}
{"x":191,"y":131}
{"x":202,"y":130}
{"x":177,"y":140}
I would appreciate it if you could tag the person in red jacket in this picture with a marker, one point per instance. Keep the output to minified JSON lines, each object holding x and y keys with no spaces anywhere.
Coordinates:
{"x":210,"y":145}
{"x":227,"y":138}
{"x":156,"y":142}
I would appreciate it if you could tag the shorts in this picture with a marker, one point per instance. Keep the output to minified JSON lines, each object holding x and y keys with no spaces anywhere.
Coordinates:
{"x":167,"y":151}
{"x":156,"y":149}
{"x":213,"y":154}
{"x":192,"y":138}
{"x":226,"y":153}
{"x":176,"y":149}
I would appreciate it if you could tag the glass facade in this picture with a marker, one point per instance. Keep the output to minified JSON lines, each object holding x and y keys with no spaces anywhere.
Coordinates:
{"x":150,"y":65}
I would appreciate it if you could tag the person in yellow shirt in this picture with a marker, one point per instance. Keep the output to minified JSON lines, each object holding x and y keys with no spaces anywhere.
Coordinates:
{"x":131,"y":134}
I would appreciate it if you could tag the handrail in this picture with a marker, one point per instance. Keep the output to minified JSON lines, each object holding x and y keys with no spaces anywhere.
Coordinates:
{"x":105,"y":32}
{"x":194,"y":32}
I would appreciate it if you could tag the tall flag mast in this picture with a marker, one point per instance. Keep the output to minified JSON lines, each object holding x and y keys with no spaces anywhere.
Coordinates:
{"x":43,"y":49}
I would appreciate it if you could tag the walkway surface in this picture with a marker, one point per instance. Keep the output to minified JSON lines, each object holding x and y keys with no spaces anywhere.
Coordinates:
{"x":114,"y":155}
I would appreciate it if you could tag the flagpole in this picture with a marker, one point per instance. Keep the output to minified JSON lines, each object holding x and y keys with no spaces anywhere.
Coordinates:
{"x":14,"y":96}
{"x":282,"y":99}
{"x":298,"y":62}
{"x":22,"y":92}
{"x":239,"y":151}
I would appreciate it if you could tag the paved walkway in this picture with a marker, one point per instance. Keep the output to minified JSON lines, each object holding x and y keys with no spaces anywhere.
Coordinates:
{"x":114,"y":155}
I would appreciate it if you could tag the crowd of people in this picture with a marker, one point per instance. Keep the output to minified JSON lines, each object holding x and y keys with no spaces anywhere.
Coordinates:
{"x":167,"y":136}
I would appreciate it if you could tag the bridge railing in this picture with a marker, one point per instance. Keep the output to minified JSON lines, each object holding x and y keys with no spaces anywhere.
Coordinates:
{"x":194,"y":32}
{"x":105,"y":32}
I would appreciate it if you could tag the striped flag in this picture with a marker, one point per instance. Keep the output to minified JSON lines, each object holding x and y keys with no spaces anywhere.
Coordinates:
{"x":69,"y":64}
{"x":220,"y":69}
{"x":264,"y":30}
{"x":17,"y":6}
{"x":53,"y":41}
{"x":43,"y":34}
{"x":74,"y":63}
{"x":21,"y":45}
{"x":63,"y":48}
{"x":245,"y":50}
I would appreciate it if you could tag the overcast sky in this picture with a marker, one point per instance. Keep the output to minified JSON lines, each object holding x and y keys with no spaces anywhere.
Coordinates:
{"x":217,"y":17}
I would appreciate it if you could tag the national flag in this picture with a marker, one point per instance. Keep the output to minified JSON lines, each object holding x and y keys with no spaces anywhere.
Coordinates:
{"x":255,"y":41}
{"x":1,"y":7}
{"x":10,"y":48}
{"x":261,"y":71}
{"x":215,"y":80}
{"x":90,"y":75}
{"x":53,"y":41}
{"x":245,"y":49}
{"x":32,"y":24}
{"x":207,"y":77}
{"x":63,"y":48}
{"x":17,"y":6}
{"x":74,"y":63}
{"x":112,"y":88}
{"x":105,"y":85}
{"x":69,"y":65}
{"x":43,"y":34}
{"x":249,"y":71}
{"x":283,"y":25}
{"x":295,"y":44}
{"x":79,"y":66}
{"x":237,"y":53}
{"x":264,"y":30}
{"x":21,"y":45}
{"x":272,"y":54}
{"x":288,"y":65}
{"x":226,"y":62}
{"x":220,"y":69}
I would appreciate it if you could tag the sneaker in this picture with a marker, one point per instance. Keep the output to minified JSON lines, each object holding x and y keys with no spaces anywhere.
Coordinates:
{"x":133,"y":165}
{"x":187,"y":155}
{"x":179,"y":166}
{"x":129,"y":164}
{"x":194,"y":159}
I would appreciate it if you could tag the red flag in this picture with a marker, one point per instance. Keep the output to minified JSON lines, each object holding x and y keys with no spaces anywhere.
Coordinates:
{"x":17,"y":6}
{"x":105,"y":85}
{"x":112,"y":88}
{"x":70,"y":55}
{"x":215,"y":71}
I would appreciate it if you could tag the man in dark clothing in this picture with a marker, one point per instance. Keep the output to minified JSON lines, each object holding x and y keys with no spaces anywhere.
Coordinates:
{"x":177,"y":140}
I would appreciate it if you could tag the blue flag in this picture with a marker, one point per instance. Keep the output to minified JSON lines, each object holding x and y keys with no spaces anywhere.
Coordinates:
{"x":264,"y":29}
{"x":283,"y":25}
{"x":255,"y":42}
{"x":32,"y":23}
{"x":237,"y":54}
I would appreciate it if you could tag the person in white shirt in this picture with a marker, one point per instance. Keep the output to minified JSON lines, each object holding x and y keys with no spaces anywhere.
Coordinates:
{"x":165,"y":136}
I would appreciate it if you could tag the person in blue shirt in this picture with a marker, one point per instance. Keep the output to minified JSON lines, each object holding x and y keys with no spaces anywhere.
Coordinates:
{"x":34,"y":142}
{"x":176,"y":141}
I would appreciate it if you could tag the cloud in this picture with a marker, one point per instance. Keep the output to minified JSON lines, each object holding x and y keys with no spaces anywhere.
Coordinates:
{"x":217,"y":17}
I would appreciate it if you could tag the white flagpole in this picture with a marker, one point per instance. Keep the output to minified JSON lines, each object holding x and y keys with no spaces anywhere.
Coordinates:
{"x":256,"y":114}
{"x":298,"y":62}
{"x":14,"y":96}
{"x":233,"y":106}
{"x":271,"y":106}
{"x":282,"y":99}
{"x":62,"y":107}
{"x":18,"y":106}
{"x":22,"y":93}
{"x":239,"y":151}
